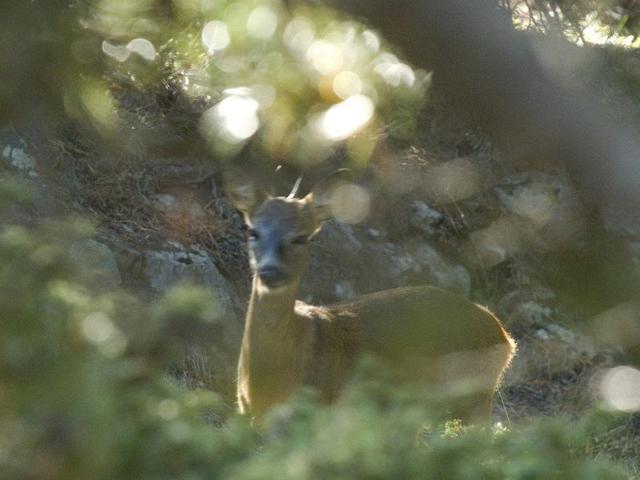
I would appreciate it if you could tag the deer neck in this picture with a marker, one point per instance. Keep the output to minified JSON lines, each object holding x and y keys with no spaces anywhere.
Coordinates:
{"x":269,"y":364}
{"x":271,"y":331}
{"x":270,"y":311}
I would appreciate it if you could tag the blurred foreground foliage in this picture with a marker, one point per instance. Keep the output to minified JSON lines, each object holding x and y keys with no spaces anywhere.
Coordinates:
{"x":297,"y":81}
{"x":85,"y":394}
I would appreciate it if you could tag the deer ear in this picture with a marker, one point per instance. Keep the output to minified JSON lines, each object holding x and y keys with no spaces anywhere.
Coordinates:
{"x":321,"y":195}
{"x":243,"y":192}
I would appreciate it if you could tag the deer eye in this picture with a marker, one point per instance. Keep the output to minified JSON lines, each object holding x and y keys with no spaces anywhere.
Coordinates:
{"x":300,"y":240}
{"x":253,"y":235}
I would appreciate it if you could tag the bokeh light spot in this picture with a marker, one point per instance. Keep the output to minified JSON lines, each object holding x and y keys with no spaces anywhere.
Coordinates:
{"x":346,"y":118}
{"x":143,"y":47}
{"x":168,"y":409}
{"x":350,"y":203}
{"x":117,"y":52}
{"x":371,"y":40}
{"x":262,"y":23}
{"x":235,"y":118}
{"x":215,"y":36}
{"x":396,"y":74}
{"x":346,"y":84}
{"x":620,"y":389}
{"x":97,"y":327}
{"x":325,"y":57}
{"x":299,"y":34}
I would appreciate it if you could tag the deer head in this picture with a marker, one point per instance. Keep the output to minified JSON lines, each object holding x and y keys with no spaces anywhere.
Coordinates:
{"x":281,"y":227}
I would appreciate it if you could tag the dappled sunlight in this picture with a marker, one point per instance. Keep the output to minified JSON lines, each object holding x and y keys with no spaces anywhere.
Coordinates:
{"x":393,"y":71}
{"x":233,"y":119}
{"x":579,"y":22}
{"x":310,"y":81}
{"x":100,"y":330}
{"x":167,"y":409}
{"x":350,"y":203}
{"x":299,"y":35}
{"x":454,"y":180}
{"x":143,"y":48}
{"x":98,"y":104}
{"x":116,"y":19}
{"x":121,"y":53}
{"x":346,"y":118}
{"x":496,"y":243}
{"x":619,"y":325}
{"x":262,"y":23}
{"x":215,"y":36}
{"x":371,"y":40}
{"x":117,"y":52}
{"x":325,"y":57}
{"x":346,"y":84}
{"x":619,"y":388}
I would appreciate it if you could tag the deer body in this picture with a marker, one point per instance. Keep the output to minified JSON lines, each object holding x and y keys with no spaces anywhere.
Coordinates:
{"x":428,"y":334}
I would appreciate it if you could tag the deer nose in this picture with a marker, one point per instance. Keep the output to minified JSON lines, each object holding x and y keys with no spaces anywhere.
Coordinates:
{"x":273,"y":276}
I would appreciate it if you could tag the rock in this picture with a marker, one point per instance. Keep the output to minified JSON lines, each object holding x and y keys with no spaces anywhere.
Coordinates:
{"x":335,"y":257}
{"x":179,"y":205}
{"x":344,"y":230}
{"x":164,"y":201}
{"x":402,"y":265}
{"x":95,"y":260}
{"x":19,"y":159}
{"x":532,"y":313}
{"x":581,"y":344}
{"x":374,"y":233}
{"x":165,"y":269}
{"x":400,"y":259}
{"x":446,"y":274}
{"x":547,"y":202}
{"x":425,"y":218}
{"x":454,"y":180}
{"x":542,"y":334}
{"x":554,"y":351}
{"x":498,"y":242}
{"x":541,"y":211}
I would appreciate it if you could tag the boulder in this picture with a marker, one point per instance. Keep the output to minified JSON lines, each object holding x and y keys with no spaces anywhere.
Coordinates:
{"x":164,"y":269}
{"x":96,"y":261}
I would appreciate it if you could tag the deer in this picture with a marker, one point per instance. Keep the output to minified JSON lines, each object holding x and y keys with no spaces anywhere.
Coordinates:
{"x":429,"y":334}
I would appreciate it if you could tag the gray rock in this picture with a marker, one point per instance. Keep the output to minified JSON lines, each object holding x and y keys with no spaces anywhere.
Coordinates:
{"x":95,"y":260}
{"x":335,"y":256}
{"x":401,"y":260}
{"x":165,"y":269}
{"x":404,"y":263}
{"x":542,"y":334}
{"x":164,"y":201}
{"x":532,"y":313}
{"x":19,"y":159}
{"x":502,"y":239}
{"x":548,"y":203}
{"x":581,"y":344}
{"x":445,"y":273}
{"x":424,"y":217}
